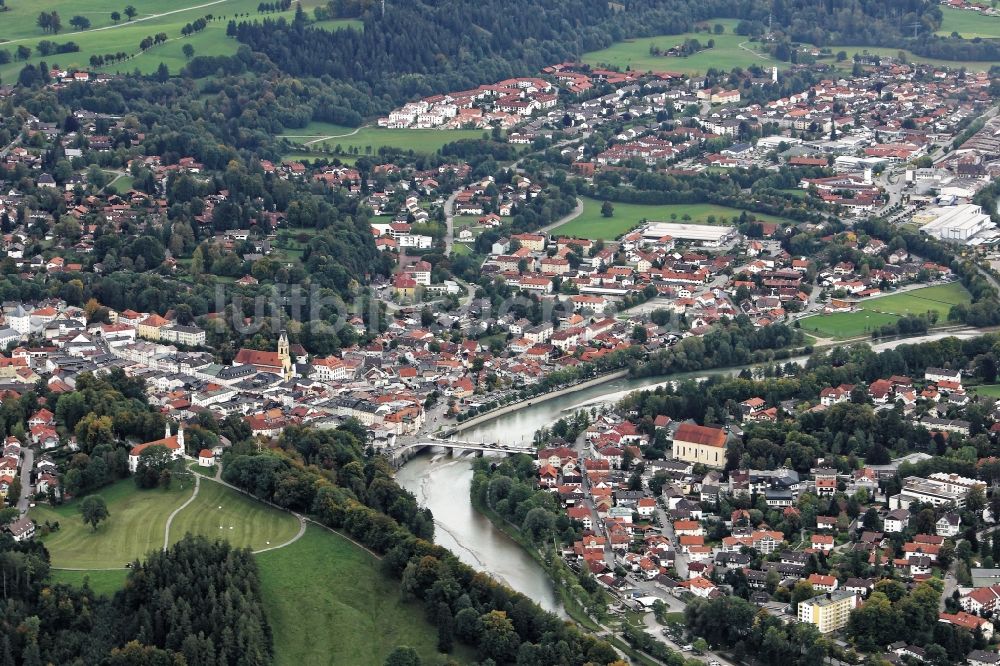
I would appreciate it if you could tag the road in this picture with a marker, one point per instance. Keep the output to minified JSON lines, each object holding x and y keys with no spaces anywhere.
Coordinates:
{"x":10,"y":146}
{"x":27,"y":465}
{"x":575,"y":213}
{"x":449,"y":223}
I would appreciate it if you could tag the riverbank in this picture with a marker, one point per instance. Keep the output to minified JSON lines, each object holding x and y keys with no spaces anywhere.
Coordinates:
{"x":543,"y":397}
{"x":576,"y":611}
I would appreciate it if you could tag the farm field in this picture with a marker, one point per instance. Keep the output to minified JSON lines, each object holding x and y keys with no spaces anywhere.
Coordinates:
{"x":989,"y":390}
{"x":591,"y":224}
{"x":18,"y":27}
{"x":726,"y":54}
{"x":368,"y":140}
{"x":326,"y":599}
{"x":877,"y":312}
{"x":968,"y":24}
{"x":101,"y":582}
{"x":134,"y":527}
{"x":241,"y":520}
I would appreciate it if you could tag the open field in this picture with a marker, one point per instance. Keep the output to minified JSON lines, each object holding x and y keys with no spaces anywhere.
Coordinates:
{"x":135,"y":526}
{"x":241,"y":520}
{"x":726,"y":54}
{"x":368,"y":140}
{"x":989,"y":390}
{"x":591,"y":224}
{"x":968,"y":24}
{"x":972,"y":65}
{"x":101,"y":582}
{"x":18,"y":27}
{"x":329,"y":603}
{"x":877,"y":312}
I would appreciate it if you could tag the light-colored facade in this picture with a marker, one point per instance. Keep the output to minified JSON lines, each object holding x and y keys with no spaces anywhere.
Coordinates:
{"x":828,"y":612}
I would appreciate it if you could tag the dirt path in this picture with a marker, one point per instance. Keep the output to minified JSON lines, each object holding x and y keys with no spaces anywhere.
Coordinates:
{"x":166,"y":531}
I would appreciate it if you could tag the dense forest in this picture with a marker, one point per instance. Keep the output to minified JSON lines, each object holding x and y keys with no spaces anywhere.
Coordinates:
{"x":197,"y":603}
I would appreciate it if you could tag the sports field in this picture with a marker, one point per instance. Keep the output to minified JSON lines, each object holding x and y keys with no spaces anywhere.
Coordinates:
{"x":134,"y":527}
{"x":730,"y":50}
{"x":591,"y":224}
{"x":18,"y":27}
{"x":367,"y":140}
{"x":968,"y":24}
{"x":876,"y":312}
{"x":328,"y":602}
{"x":220,"y":512}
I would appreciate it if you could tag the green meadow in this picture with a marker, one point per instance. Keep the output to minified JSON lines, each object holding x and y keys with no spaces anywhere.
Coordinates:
{"x":591,"y":224}
{"x":18,"y":26}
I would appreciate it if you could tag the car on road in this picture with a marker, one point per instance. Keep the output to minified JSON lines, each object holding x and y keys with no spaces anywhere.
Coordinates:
{"x":687,"y":648}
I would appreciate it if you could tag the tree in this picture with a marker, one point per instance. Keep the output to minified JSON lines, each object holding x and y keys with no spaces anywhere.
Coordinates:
{"x":607,"y":209}
{"x":130,"y":12}
{"x":94,"y":510}
{"x":188,"y":51}
{"x":403,"y":656}
{"x":80,"y":22}
{"x":116,"y":16}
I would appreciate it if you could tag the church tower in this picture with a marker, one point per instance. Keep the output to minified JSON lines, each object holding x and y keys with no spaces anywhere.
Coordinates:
{"x":283,"y":353}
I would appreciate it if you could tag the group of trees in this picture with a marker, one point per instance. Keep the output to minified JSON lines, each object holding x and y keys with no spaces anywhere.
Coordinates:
{"x":49,"y":22}
{"x":511,"y":490}
{"x":197,"y":603}
{"x":345,"y":489}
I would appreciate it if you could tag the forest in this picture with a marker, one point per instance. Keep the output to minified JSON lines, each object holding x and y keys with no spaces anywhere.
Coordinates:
{"x":197,"y":603}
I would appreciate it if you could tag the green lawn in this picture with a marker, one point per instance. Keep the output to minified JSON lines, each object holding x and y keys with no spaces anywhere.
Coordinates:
{"x":989,"y":390}
{"x":591,"y":224}
{"x":877,"y":312}
{"x":328,"y":603}
{"x":135,"y":526}
{"x":18,"y":26}
{"x":725,"y":55}
{"x":968,"y":24}
{"x":123,"y":183}
{"x":101,"y":582}
{"x":369,"y":139}
{"x":241,"y":520}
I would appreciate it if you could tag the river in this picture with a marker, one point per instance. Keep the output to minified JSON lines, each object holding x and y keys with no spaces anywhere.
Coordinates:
{"x":442,"y":483}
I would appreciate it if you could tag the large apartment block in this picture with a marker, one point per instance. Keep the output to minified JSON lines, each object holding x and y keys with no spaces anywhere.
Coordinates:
{"x":828,"y":612}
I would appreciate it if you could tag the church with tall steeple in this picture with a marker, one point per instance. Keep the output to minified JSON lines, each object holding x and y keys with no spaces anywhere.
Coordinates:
{"x":278,"y":363}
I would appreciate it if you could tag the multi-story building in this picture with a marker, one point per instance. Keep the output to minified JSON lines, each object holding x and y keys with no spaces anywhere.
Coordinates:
{"x":828,"y":612}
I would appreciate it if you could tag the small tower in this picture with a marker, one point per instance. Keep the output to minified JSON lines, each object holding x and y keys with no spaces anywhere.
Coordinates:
{"x":180,"y":436}
{"x":167,"y":433}
{"x":774,"y":75}
{"x":284,"y":355}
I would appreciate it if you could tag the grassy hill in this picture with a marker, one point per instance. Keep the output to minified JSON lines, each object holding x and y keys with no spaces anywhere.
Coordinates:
{"x":222,"y":513}
{"x":328,"y":603}
{"x":968,"y":24}
{"x":18,"y":26}
{"x":135,"y":526}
